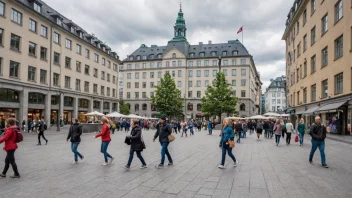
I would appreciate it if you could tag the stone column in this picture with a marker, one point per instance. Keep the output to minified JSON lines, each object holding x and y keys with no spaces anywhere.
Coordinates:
{"x":24,"y":105}
{"x":75,"y":108}
{"x":102,"y":106}
{"x":61,"y":106}
{"x":47,"y":110}
{"x":110,"y":107}
{"x":90,"y":105}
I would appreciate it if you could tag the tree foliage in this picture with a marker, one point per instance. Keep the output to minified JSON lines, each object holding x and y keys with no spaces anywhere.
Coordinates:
{"x":219,"y":98}
{"x":167,"y":97}
{"x":124,"y":108}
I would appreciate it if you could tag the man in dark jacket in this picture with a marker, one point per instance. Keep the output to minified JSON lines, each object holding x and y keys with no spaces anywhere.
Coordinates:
{"x":163,"y":130}
{"x":266,"y":129}
{"x":238,"y":128}
{"x":74,"y":135}
{"x":318,"y":133}
{"x":250,"y":127}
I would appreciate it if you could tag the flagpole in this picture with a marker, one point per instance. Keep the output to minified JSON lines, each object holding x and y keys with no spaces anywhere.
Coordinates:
{"x":242,"y":36}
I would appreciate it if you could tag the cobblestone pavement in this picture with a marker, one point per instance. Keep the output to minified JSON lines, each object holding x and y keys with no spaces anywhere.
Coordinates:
{"x":264,"y":170}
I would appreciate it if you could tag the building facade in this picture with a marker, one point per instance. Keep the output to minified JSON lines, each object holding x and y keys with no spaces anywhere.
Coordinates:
{"x":275,"y":95}
{"x":318,"y":39}
{"x":48,"y":64}
{"x":263,"y":109}
{"x":193,"y":68}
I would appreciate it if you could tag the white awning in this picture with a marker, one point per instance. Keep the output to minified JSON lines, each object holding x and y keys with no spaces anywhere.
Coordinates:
{"x":310,"y":110}
{"x":332,"y":106}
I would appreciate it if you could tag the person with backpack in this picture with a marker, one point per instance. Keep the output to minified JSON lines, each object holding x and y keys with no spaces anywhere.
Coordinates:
{"x":41,"y":125}
{"x":318,"y":133}
{"x":226,"y":135}
{"x":74,"y":135}
{"x":12,"y":136}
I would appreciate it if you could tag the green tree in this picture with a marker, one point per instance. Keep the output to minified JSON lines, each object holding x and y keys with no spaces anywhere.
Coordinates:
{"x":219,"y":98}
{"x":167,"y":97}
{"x":124,"y":108}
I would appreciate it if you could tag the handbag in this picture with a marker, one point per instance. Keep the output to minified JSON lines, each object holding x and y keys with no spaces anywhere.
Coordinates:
{"x":143,"y":144}
{"x":296,"y":138}
{"x":127,"y":140}
{"x":231,"y":143}
{"x":171,"y":137}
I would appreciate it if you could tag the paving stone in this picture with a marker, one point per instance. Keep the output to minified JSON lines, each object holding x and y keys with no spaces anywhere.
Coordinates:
{"x":206,"y":191}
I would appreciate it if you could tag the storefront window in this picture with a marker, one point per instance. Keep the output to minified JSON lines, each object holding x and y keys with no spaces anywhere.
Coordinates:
{"x":55,"y":100}
{"x":36,"y":98}
{"x":106,"y":105}
{"x":96,"y":104}
{"x":68,"y":101}
{"x":83,"y":103}
{"x":9,"y":95}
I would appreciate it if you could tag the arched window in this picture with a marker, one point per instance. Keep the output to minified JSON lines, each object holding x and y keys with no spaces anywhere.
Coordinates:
{"x":235,"y":53}
{"x":199,"y":107}
{"x":131,"y":57}
{"x":202,"y":54}
{"x":83,"y":103}
{"x":159,"y":55}
{"x":190,"y":106}
{"x":9,"y":95}
{"x":136,"y":107}
{"x":151,"y":56}
{"x":138,"y":57}
{"x":144,"y":106}
{"x":129,"y":106}
{"x":174,"y":55}
{"x":68,"y":101}
{"x":242,"y":107}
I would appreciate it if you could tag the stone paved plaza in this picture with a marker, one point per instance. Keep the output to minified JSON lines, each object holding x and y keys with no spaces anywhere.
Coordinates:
{"x":264,"y":170}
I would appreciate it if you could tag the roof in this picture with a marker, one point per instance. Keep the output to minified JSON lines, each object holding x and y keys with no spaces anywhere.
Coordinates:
{"x":279,"y":82}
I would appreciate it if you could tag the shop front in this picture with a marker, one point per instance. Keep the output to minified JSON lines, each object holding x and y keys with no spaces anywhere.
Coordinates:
{"x":81,"y":117}
{"x":335,"y":117}
{"x":67,"y":116}
{"x":53,"y":117}
{"x":83,"y":105}
{"x":35,"y":114}
{"x":9,"y":103}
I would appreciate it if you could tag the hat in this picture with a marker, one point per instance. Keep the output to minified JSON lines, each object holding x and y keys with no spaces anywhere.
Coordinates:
{"x":163,"y":117}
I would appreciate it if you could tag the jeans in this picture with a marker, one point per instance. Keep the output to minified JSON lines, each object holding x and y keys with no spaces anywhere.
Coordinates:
{"x":210,"y":131}
{"x":318,"y":144}
{"x":225,"y":148}
{"x":139,"y":155}
{"x":288,"y":138}
{"x":277,"y":139}
{"x":41,"y":134}
{"x":10,"y":159}
{"x":184,"y":132}
{"x":74,"y":146}
{"x":104,"y":150}
{"x":244,"y":133}
{"x":271,"y":132}
{"x":250,"y":131}
{"x":301,"y":138}
{"x":266,"y":133}
{"x":239,"y":137}
{"x":164,"y":151}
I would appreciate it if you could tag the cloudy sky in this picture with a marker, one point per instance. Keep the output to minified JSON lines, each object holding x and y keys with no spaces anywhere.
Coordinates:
{"x":125,"y":24}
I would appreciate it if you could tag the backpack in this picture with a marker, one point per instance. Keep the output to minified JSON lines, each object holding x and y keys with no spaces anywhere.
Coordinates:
{"x":19,"y":136}
{"x":45,"y":127}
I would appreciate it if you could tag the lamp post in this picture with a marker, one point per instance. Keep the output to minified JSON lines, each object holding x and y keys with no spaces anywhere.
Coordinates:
{"x":58,"y":113}
{"x":219,"y":63}
{"x":185,"y":106}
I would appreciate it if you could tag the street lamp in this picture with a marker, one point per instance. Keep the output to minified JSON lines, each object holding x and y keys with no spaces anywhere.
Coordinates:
{"x":219,"y":63}
{"x":58,"y":113}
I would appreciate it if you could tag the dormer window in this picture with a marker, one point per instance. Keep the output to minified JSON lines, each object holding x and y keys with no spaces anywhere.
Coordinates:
{"x":235,"y":53}
{"x":59,"y":21}
{"x":72,"y":29}
{"x":131,"y":57}
{"x":173,"y":55}
{"x":224,"y":53}
{"x":151,"y":56}
{"x":138,"y":57}
{"x":37,"y":7}
{"x":191,"y":55}
{"x":202,"y":54}
{"x":213,"y":53}
{"x":144,"y":57}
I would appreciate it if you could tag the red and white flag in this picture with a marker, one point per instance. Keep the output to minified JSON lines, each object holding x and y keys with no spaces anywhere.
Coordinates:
{"x":240,"y":30}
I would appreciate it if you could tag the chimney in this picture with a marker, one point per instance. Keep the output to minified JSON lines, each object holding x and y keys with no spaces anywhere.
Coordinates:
{"x":209,"y":42}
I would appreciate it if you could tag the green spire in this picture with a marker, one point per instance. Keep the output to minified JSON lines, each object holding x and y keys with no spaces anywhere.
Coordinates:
{"x":180,"y":27}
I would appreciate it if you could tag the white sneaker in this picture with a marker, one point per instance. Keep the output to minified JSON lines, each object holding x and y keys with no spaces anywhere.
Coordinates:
{"x":112,"y":159}
{"x":74,"y":162}
{"x":104,"y":164}
{"x":221,"y":167}
{"x":235,"y":164}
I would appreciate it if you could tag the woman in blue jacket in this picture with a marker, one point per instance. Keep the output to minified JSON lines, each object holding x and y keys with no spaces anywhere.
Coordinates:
{"x":227,"y":133}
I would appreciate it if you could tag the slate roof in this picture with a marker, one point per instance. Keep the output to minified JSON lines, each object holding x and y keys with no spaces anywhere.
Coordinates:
{"x":279,"y":82}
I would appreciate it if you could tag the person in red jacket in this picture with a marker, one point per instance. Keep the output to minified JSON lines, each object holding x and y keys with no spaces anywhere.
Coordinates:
{"x":10,"y":147}
{"x":105,"y":138}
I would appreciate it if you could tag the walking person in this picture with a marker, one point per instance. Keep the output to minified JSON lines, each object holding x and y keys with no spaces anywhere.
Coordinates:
{"x":289,"y":131}
{"x":318,"y":133}
{"x":113,"y":126}
{"x":10,"y":147}
{"x":74,"y":135}
{"x":271,"y":128}
{"x":238,"y":128}
{"x":40,"y":130}
{"x":226,"y":135}
{"x":301,"y":130}
{"x":278,"y":132}
{"x":190,"y":126}
{"x":184,"y":129}
{"x":250,"y":126}
{"x":23,"y":126}
{"x":210,"y":127}
{"x":259,"y":127}
{"x":105,"y":141}
{"x":163,"y":130}
{"x":266,"y":129}
{"x":244,"y":129}
{"x":137,"y":144}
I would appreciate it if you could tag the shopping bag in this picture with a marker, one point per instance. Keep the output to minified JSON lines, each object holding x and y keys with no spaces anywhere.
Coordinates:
{"x":296,"y":138}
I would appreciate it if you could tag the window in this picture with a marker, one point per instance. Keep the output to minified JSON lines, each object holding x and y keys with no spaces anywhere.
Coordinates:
{"x":206,"y":63}
{"x":243,"y":72}
{"x":304,"y":43}
{"x":151,"y":84}
{"x":43,"y":53}
{"x":278,"y":101}
{"x":36,"y":98}
{"x":32,"y":25}
{"x":108,"y":91}
{"x":31,"y":73}
{"x":173,"y":74}
{"x":152,"y":65}
{"x":198,"y":73}
{"x":174,"y":63}
{"x":206,"y":83}
{"x":213,"y":53}
{"x":1,"y":33}
{"x":324,"y":55}
{"x":313,"y":5}
{"x":56,"y":79}
{"x":151,"y":94}
{"x":108,"y":77}
{"x":144,"y":75}
{"x":273,"y":101}
{"x":102,"y":90}
{"x":190,"y":83}
{"x":199,"y":95}
{"x":95,"y":88}
{"x":56,"y":38}
{"x":179,"y":84}
{"x":167,"y":64}
{"x":42,"y":76}
{"x":298,"y":50}
{"x":95,"y":74}
{"x":243,"y":61}
{"x":324,"y":87}
{"x":67,"y":82}
{"x":78,"y":66}
{"x":215,"y":72}
{"x":78,"y":85}
{"x":305,"y":69}
{"x":15,"y":42}
{"x":190,"y":73}
{"x":199,"y":84}
{"x":2,"y":9}
{"x":56,"y":58}
{"x":86,"y":86}
{"x":233,"y":61}
{"x":313,"y":63}
{"x":87,"y":53}
{"x":37,"y":7}
{"x":243,"y":93}
{"x":225,"y":72}
{"x":313,"y":37}
{"x":338,"y":11}
{"x":305,"y":95}
{"x":215,"y":63}
{"x":190,"y":63}
{"x":314,"y":92}
{"x":103,"y":61}
{"x":234,"y":73}
{"x":136,"y":66}
{"x":136,"y":95}
{"x":102,"y":75}
{"x":190,"y":94}
{"x":339,"y":83}
{"x":235,"y":53}
{"x":179,"y":73}
{"x":78,"y":49}
{"x":151,"y":74}
{"x":198,"y":63}
{"x":86,"y":69}
{"x":32,"y":49}
{"x":243,"y":82}
{"x":128,"y":84}
{"x":144,"y":94}
{"x":128,"y":95}
{"x":297,"y":28}
{"x":96,"y":58}
{"x":113,"y":79}
{"x":234,"y":83}
{"x":339,"y":47}
{"x":16,"y":16}
{"x":304,"y":17}
{"x":206,"y":73}
{"x":278,"y":95}
{"x":136,"y":75}
{"x":159,"y":74}
{"x":324,"y":24}
{"x":225,"y":62}
{"x":144,"y":85}
{"x":159,"y":64}
{"x":59,"y":21}
{"x":68,"y":62}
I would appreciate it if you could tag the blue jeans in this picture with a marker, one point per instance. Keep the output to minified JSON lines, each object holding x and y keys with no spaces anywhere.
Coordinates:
{"x":225,"y":148}
{"x":244,"y":133}
{"x":104,"y":150}
{"x":318,"y":144}
{"x":164,"y":151}
{"x":139,"y":155}
{"x":277,"y":139}
{"x":301,"y":138}
{"x":74,"y":146}
{"x":239,"y":137}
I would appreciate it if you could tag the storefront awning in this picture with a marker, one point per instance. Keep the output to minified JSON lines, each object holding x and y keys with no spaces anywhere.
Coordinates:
{"x":299,"y":112}
{"x":331,"y":107}
{"x":310,"y":111}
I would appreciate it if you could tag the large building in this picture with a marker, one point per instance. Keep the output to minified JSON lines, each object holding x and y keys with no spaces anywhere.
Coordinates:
{"x":48,"y":64}
{"x":319,"y":56}
{"x":193,"y":68}
{"x":275,"y":95}
{"x":263,"y":110}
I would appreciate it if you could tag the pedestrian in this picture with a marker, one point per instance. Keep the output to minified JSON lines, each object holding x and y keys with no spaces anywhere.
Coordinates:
{"x":10,"y":147}
{"x":210,"y":127}
{"x":301,"y":130}
{"x":244,"y":129}
{"x":127,"y":127}
{"x":40,"y":130}
{"x":271,"y":128}
{"x":250,"y":126}
{"x":163,"y":130}
{"x":184,"y":129}
{"x":318,"y":133}
{"x":24,"y":126}
{"x":137,"y":144}
{"x":190,"y":126}
{"x":105,"y":140}
{"x":289,"y":131}
{"x":179,"y":127}
{"x":74,"y":135}
{"x":266,"y":129}
{"x":226,"y":135}
{"x":238,"y":129}
{"x":259,"y":127}
{"x":278,"y":132}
